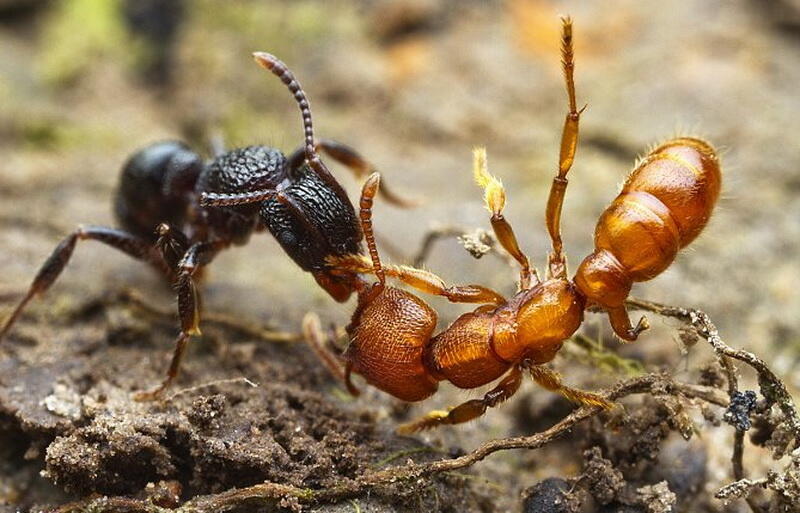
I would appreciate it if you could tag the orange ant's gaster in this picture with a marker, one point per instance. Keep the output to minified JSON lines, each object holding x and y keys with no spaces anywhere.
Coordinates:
{"x":664,"y":204}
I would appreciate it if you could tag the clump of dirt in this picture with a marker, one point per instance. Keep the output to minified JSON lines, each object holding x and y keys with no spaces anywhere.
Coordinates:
{"x":277,"y":433}
{"x":635,"y":461}
{"x":66,"y":401}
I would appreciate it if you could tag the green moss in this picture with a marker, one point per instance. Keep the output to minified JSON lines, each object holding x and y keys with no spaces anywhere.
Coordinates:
{"x":596,"y":355}
{"x":43,"y":133}
{"x":277,"y":27}
{"x":77,"y":33}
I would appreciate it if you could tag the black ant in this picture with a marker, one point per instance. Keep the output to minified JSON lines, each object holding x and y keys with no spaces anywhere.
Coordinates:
{"x":177,"y":212}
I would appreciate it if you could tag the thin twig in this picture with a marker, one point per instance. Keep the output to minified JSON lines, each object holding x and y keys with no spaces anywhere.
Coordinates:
{"x":772,"y":388}
{"x":468,"y":239}
{"x":132,"y":298}
{"x":212,"y":384}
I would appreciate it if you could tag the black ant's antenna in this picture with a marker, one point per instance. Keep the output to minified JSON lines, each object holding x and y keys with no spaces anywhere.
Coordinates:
{"x":280,"y":70}
{"x":221,"y":199}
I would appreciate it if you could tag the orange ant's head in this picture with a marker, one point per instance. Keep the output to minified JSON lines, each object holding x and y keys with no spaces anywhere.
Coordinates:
{"x":338,"y":286}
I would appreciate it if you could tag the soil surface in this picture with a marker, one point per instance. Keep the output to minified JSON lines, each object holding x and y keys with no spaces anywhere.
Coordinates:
{"x":414,"y":85}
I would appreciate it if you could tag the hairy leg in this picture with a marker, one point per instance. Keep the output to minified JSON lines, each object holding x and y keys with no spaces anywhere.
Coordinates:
{"x":422,"y":280}
{"x":569,"y":144}
{"x":317,"y":339}
{"x":551,"y":380}
{"x":196,"y":256}
{"x":469,"y":410}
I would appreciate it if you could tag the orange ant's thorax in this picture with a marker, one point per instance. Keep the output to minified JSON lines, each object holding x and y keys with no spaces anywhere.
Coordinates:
{"x":480,"y":346}
{"x":535,"y":322}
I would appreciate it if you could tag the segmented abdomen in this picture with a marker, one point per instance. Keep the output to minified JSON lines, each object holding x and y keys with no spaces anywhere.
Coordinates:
{"x":664,"y":204}
{"x":143,"y":198}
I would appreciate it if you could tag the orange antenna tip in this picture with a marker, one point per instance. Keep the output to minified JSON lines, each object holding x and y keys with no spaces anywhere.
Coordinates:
{"x":371,"y":185}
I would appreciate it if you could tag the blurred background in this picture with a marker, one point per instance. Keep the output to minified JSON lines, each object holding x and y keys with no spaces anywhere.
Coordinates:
{"x":414,"y":85}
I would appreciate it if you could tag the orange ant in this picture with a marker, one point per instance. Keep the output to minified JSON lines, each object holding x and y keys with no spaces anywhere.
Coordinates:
{"x":664,"y":204}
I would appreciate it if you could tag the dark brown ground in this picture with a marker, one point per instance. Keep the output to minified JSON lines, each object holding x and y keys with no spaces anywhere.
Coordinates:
{"x":413,"y":84}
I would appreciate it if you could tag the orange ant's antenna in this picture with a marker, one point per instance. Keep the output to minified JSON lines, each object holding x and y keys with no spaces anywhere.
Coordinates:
{"x":368,"y":193}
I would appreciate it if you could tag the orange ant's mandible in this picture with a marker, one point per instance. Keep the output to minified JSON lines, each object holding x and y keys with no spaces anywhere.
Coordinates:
{"x":664,"y":204}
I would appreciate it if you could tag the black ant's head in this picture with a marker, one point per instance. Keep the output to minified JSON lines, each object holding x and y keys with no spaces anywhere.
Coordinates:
{"x":305,"y":208}
{"x":312,"y":221}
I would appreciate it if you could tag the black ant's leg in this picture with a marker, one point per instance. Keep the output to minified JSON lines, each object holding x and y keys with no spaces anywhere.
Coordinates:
{"x":196,"y":256}
{"x":132,"y":245}
{"x":172,"y":244}
{"x":469,"y":410}
{"x":355,"y":162}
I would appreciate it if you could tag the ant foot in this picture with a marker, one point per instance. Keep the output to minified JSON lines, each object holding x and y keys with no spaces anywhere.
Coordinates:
{"x":641,"y":326}
{"x":149,"y":395}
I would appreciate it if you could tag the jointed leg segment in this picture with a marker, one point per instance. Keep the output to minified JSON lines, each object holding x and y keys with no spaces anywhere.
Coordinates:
{"x":422,"y":280}
{"x":469,"y":410}
{"x":355,"y":162}
{"x":196,"y":256}
{"x":318,"y":340}
{"x":58,"y":260}
{"x":551,"y":380}
{"x":495,"y":198}
{"x":569,"y":144}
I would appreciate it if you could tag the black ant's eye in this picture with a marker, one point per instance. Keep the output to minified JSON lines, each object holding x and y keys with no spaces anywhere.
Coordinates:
{"x":287,"y":239}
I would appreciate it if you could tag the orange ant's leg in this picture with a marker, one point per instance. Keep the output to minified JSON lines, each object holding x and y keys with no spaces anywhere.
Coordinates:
{"x":495,"y":199}
{"x":569,"y":143}
{"x":424,"y":281}
{"x":469,"y":410}
{"x":430,"y":283}
{"x":58,"y":260}
{"x":621,"y":323}
{"x":356,"y":163}
{"x":551,"y":380}
{"x":195,"y":257}
{"x":316,"y":338}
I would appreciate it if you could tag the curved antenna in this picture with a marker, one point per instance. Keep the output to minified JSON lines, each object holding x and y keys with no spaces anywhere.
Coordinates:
{"x":368,"y":193}
{"x":221,"y":199}
{"x":280,"y":70}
